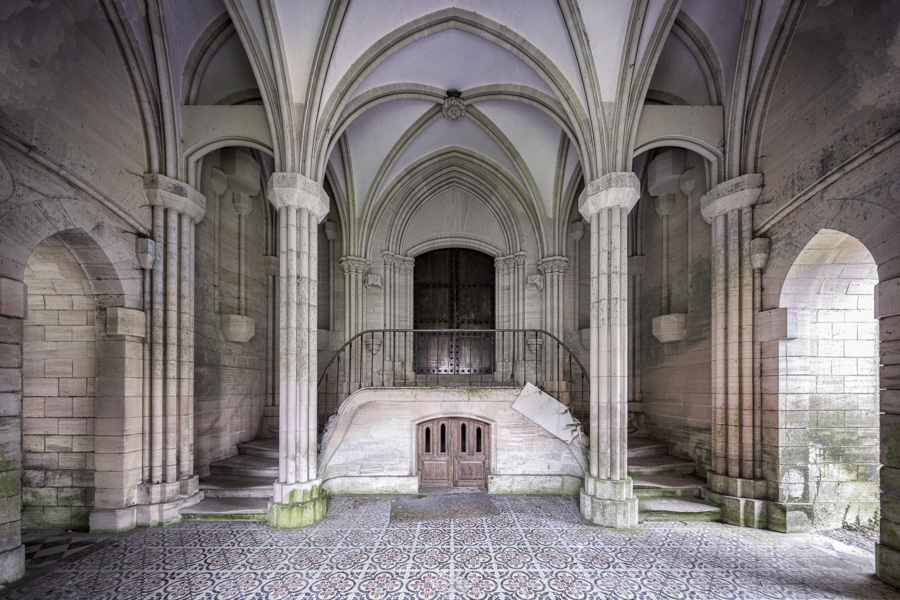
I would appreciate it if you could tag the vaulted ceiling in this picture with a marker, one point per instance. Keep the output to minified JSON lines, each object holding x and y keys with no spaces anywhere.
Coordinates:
{"x":554,"y":90}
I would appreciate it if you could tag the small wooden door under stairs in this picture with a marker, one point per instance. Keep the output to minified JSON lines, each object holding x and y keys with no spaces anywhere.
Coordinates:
{"x":453,"y":452}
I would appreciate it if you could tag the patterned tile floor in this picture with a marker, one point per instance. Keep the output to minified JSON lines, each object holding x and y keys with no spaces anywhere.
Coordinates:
{"x":537,"y":547}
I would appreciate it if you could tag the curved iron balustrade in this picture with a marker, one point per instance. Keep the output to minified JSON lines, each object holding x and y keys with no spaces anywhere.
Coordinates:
{"x":384,"y":358}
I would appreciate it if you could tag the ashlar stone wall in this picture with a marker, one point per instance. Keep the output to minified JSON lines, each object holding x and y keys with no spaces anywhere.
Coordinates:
{"x":832,"y":368}
{"x":231,"y":376}
{"x":58,"y":391}
{"x":675,"y":385}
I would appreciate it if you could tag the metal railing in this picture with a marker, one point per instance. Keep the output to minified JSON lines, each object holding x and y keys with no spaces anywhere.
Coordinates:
{"x":386,"y":358}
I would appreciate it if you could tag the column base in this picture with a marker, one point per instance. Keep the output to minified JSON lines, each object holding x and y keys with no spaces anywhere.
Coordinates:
{"x":742,"y":501}
{"x":791,"y":517}
{"x":609,"y":503}
{"x":12,"y":564}
{"x":887,"y":564}
{"x":158,"y":504}
{"x":745,"y":512}
{"x":297,"y":504}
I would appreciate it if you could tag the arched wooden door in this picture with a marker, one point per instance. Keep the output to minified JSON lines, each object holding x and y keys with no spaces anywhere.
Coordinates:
{"x":454,"y":289}
{"x":453,"y":452}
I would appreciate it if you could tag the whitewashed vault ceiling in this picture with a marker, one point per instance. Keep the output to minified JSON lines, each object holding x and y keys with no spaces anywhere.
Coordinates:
{"x":554,"y":90}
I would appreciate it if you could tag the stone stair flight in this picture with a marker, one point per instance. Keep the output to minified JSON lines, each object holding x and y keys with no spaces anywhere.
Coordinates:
{"x":239,"y":487}
{"x":666,"y":487}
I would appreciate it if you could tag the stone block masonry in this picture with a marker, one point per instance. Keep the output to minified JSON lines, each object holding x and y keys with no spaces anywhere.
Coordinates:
{"x":58,"y":392}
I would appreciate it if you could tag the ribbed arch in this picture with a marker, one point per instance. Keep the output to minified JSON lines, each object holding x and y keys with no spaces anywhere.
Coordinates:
{"x":443,"y":20}
{"x":436,"y":172}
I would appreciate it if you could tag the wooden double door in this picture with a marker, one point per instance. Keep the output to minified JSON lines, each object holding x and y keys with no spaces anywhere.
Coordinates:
{"x":454,"y":289}
{"x":453,"y":452}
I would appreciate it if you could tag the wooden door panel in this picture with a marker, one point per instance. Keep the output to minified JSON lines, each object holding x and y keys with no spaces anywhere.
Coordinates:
{"x":436,"y":473}
{"x":459,"y":458}
{"x":469,"y":473}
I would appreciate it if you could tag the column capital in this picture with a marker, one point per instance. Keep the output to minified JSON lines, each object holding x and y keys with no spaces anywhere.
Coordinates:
{"x":734,"y":194}
{"x":553,"y":264}
{"x":519,"y":257}
{"x":298,"y":191}
{"x":503,"y":263}
{"x":613,"y":190}
{"x":175,"y":195}
{"x":354,"y":264}
{"x":406,"y":263}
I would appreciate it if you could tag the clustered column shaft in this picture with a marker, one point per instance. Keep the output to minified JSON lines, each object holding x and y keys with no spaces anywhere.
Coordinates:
{"x":607,"y":498}
{"x":177,"y":209}
{"x":736,"y":455}
{"x":301,"y":205}
{"x":355,"y":269}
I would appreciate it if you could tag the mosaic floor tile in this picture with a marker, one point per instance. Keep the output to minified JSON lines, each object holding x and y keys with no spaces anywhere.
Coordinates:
{"x":535,"y":548}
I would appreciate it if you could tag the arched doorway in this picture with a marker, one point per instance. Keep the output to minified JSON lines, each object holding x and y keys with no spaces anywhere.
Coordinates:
{"x":453,"y":289}
{"x":828,"y":457}
{"x":58,"y":390}
{"x":453,"y":452}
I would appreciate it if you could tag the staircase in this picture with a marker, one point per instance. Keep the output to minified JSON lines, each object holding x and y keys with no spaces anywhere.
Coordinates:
{"x":239,"y":487}
{"x":666,"y":486}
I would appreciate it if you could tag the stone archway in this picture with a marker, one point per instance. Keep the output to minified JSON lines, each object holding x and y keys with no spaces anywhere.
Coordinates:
{"x":58,"y":382}
{"x":826,"y":390}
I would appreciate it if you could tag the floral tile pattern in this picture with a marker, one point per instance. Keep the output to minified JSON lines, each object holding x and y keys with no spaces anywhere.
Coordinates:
{"x":536,"y":548}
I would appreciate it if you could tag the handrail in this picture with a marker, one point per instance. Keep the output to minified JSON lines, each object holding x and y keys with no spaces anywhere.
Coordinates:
{"x":454,"y":358}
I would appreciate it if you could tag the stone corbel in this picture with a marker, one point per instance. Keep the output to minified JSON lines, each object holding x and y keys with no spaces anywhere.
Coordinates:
{"x":669,"y":328}
{"x":237,"y":328}
{"x":535,"y":281}
{"x":373,"y":281}
{"x":125,"y":321}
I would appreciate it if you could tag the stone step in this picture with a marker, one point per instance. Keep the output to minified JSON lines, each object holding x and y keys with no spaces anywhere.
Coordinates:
{"x":641,"y":446}
{"x":242,"y":465}
{"x":677,"y":509}
{"x":267,"y":447}
{"x":230,"y":486}
{"x":233,"y":509}
{"x":659,"y":465}
{"x":667,"y":486}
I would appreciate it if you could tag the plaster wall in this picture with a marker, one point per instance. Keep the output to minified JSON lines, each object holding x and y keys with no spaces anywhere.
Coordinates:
{"x":372,"y":448}
{"x":839,"y":72}
{"x":61,"y":57}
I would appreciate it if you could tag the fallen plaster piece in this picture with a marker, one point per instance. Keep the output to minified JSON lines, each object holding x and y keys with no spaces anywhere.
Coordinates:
{"x":547,"y":412}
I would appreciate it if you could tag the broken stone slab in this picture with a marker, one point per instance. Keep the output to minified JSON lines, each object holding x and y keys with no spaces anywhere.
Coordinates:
{"x":547,"y":412}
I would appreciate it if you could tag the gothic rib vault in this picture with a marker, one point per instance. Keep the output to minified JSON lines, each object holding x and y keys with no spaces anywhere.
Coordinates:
{"x":201,"y":203}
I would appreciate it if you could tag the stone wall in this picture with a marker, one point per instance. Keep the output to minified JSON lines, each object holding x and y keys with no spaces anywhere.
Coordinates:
{"x":830,"y":369}
{"x":372,"y":448}
{"x":675,"y":384}
{"x":231,"y":377}
{"x":58,"y":391}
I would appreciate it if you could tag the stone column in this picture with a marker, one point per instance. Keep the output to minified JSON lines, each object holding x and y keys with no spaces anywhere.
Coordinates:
{"x":177,"y":208}
{"x":301,"y":204}
{"x":887,"y":311}
{"x":242,"y":180}
{"x":664,"y":181}
{"x":554,"y":270}
{"x":607,"y":498}
{"x":728,"y":207}
{"x":635,"y":273}
{"x":355,"y":269}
